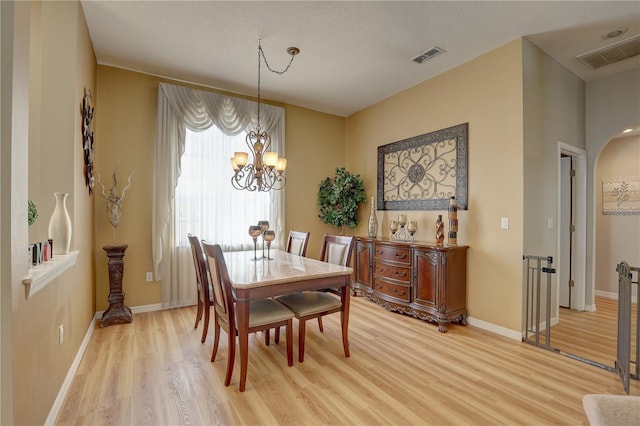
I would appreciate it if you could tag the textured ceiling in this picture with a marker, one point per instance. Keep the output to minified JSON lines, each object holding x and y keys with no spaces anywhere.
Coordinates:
{"x":353,"y":53}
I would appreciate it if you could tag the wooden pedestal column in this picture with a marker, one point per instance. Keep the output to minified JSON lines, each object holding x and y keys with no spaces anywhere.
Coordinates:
{"x":117,"y":313}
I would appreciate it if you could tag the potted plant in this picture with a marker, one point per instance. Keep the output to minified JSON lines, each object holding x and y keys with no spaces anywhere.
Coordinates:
{"x":32,"y":214}
{"x":339,"y":199}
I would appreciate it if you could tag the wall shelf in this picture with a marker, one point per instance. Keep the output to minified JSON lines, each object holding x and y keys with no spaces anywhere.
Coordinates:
{"x":41,"y":275}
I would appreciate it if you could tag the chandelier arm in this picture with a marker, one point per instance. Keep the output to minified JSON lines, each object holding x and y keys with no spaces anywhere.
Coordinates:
{"x":251,"y":136}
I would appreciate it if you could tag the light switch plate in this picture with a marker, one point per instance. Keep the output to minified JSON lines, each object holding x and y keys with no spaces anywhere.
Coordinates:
{"x":504,"y":223}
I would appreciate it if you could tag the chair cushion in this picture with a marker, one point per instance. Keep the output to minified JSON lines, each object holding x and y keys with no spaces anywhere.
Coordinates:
{"x":310,"y":302}
{"x":612,"y":410}
{"x":267,"y":311}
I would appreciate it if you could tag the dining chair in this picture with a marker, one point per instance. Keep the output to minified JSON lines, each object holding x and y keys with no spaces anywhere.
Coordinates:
{"x":263,"y":314}
{"x":297,"y":242}
{"x":203,"y":287}
{"x":316,"y":304}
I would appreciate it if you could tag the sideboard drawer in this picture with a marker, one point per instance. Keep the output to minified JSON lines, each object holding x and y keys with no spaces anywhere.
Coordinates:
{"x":394,"y":290}
{"x":394,"y":254}
{"x":400,"y":273}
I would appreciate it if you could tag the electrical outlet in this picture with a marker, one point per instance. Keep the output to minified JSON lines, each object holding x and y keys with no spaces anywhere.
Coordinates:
{"x":504,"y":223}
{"x":549,"y":223}
{"x":149,"y":277}
{"x":60,"y":334}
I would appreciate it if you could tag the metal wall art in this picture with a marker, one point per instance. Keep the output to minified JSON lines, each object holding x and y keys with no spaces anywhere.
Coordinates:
{"x":424,"y":172}
{"x":621,"y":196}
{"x":87,"y":138}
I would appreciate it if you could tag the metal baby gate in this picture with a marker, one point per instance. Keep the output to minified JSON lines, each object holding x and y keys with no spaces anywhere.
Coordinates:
{"x":534,"y":269}
{"x":625,"y":295}
{"x":537,"y":267}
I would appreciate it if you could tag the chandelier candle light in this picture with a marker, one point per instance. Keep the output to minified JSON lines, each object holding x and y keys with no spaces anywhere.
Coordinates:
{"x":266,"y":171}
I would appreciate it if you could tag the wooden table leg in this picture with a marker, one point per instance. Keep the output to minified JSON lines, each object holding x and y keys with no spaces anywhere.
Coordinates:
{"x":344,"y":317}
{"x":243,"y":336}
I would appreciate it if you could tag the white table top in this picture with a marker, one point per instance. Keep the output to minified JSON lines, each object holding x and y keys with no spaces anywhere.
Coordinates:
{"x":285,"y":267}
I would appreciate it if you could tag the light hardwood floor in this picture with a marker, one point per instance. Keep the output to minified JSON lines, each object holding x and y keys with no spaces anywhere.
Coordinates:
{"x":593,"y":335}
{"x":402,"y":371}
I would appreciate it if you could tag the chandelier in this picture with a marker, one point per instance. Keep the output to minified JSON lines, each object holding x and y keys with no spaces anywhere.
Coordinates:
{"x":266,"y":172}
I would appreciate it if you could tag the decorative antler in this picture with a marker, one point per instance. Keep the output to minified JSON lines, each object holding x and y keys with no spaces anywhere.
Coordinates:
{"x":114,"y":200}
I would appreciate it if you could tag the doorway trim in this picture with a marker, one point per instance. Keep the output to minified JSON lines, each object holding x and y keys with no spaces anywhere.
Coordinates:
{"x":580,"y":160}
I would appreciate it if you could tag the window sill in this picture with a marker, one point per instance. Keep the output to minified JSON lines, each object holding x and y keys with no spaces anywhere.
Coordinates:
{"x":41,"y":275}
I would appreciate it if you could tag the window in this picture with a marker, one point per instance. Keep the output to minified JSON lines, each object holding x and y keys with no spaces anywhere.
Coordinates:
{"x":206,"y":204}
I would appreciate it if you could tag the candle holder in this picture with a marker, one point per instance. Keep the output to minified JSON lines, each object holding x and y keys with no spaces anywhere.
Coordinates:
{"x":406,"y":228}
{"x":254,"y":232}
{"x":269,"y":236}
{"x":393,"y":227}
{"x":264,"y":225}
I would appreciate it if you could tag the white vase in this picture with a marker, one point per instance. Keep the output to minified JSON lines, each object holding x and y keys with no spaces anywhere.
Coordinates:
{"x":60,"y":225}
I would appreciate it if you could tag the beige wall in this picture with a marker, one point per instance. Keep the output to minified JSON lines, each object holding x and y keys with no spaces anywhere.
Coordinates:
{"x":617,"y":237}
{"x":125,"y":138}
{"x":62,"y":65}
{"x":553,"y":112}
{"x":315,"y":147}
{"x":612,"y":105}
{"x":125,"y":135}
{"x":487,"y":93}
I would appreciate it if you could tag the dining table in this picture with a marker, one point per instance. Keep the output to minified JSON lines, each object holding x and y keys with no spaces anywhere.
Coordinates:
{"x":277,"y":274}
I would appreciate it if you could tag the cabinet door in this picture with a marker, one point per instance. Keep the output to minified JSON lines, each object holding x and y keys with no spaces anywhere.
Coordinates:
{"x":363,"y":263}
{"x":426,"y":268}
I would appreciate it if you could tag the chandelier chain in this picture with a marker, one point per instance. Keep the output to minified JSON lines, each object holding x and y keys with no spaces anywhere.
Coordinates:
{"x":293,"y":55}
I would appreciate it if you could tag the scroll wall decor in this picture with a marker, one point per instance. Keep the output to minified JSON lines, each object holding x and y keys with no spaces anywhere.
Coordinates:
{"x":87,"y":138}
{"x":621,"y":196}
{"x":424,"y":172}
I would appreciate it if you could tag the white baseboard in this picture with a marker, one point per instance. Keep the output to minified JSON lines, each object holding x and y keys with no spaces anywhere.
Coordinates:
{"x":502,"y":331}
{"x":614,"y":296}
{"x":62,"y":394}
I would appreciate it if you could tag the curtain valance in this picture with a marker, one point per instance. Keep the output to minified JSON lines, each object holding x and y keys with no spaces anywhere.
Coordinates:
{"x":199,"y":110}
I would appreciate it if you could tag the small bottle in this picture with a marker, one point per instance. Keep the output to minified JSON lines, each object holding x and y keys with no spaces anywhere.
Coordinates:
{"x":439,"y":230}
{"x":453,"y":222}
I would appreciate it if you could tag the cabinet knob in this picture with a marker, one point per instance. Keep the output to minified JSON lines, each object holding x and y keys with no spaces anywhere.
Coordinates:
{"x":401,"y":255}
{"x":399,"y":293}
{"x":403,"y":274}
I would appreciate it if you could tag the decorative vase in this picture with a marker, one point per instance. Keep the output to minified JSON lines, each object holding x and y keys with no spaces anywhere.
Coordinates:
{"x":439,"y":230}
{"x":373,"y":220}
{"x":453,"y":222}
{"x":60,"y":225}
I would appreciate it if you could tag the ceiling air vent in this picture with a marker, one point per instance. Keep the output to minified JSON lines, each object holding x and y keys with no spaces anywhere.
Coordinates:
{"x":434,"y":51}
{"x":611,"y":54}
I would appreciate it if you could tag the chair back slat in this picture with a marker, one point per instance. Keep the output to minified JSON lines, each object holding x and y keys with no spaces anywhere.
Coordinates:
{"x":199,"y":262}
{"x":221,"y":283}
{"x":297,"y":242}
{"x":336,"y":249}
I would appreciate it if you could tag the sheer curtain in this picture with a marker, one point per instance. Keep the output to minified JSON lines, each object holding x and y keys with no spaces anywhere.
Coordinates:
{"x":196,"y":135}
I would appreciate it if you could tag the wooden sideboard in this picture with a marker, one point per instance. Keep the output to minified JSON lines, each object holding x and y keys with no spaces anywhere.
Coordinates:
{"x":427,"y":281}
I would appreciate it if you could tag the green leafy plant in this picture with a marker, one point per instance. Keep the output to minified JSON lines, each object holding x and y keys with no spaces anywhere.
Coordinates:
{"x":339,"y":199}
{"x":32,"y":213}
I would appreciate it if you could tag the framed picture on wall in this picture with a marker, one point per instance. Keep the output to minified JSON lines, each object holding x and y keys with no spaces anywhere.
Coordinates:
{"x":621,"y":196}
{"x":425,"y":171}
